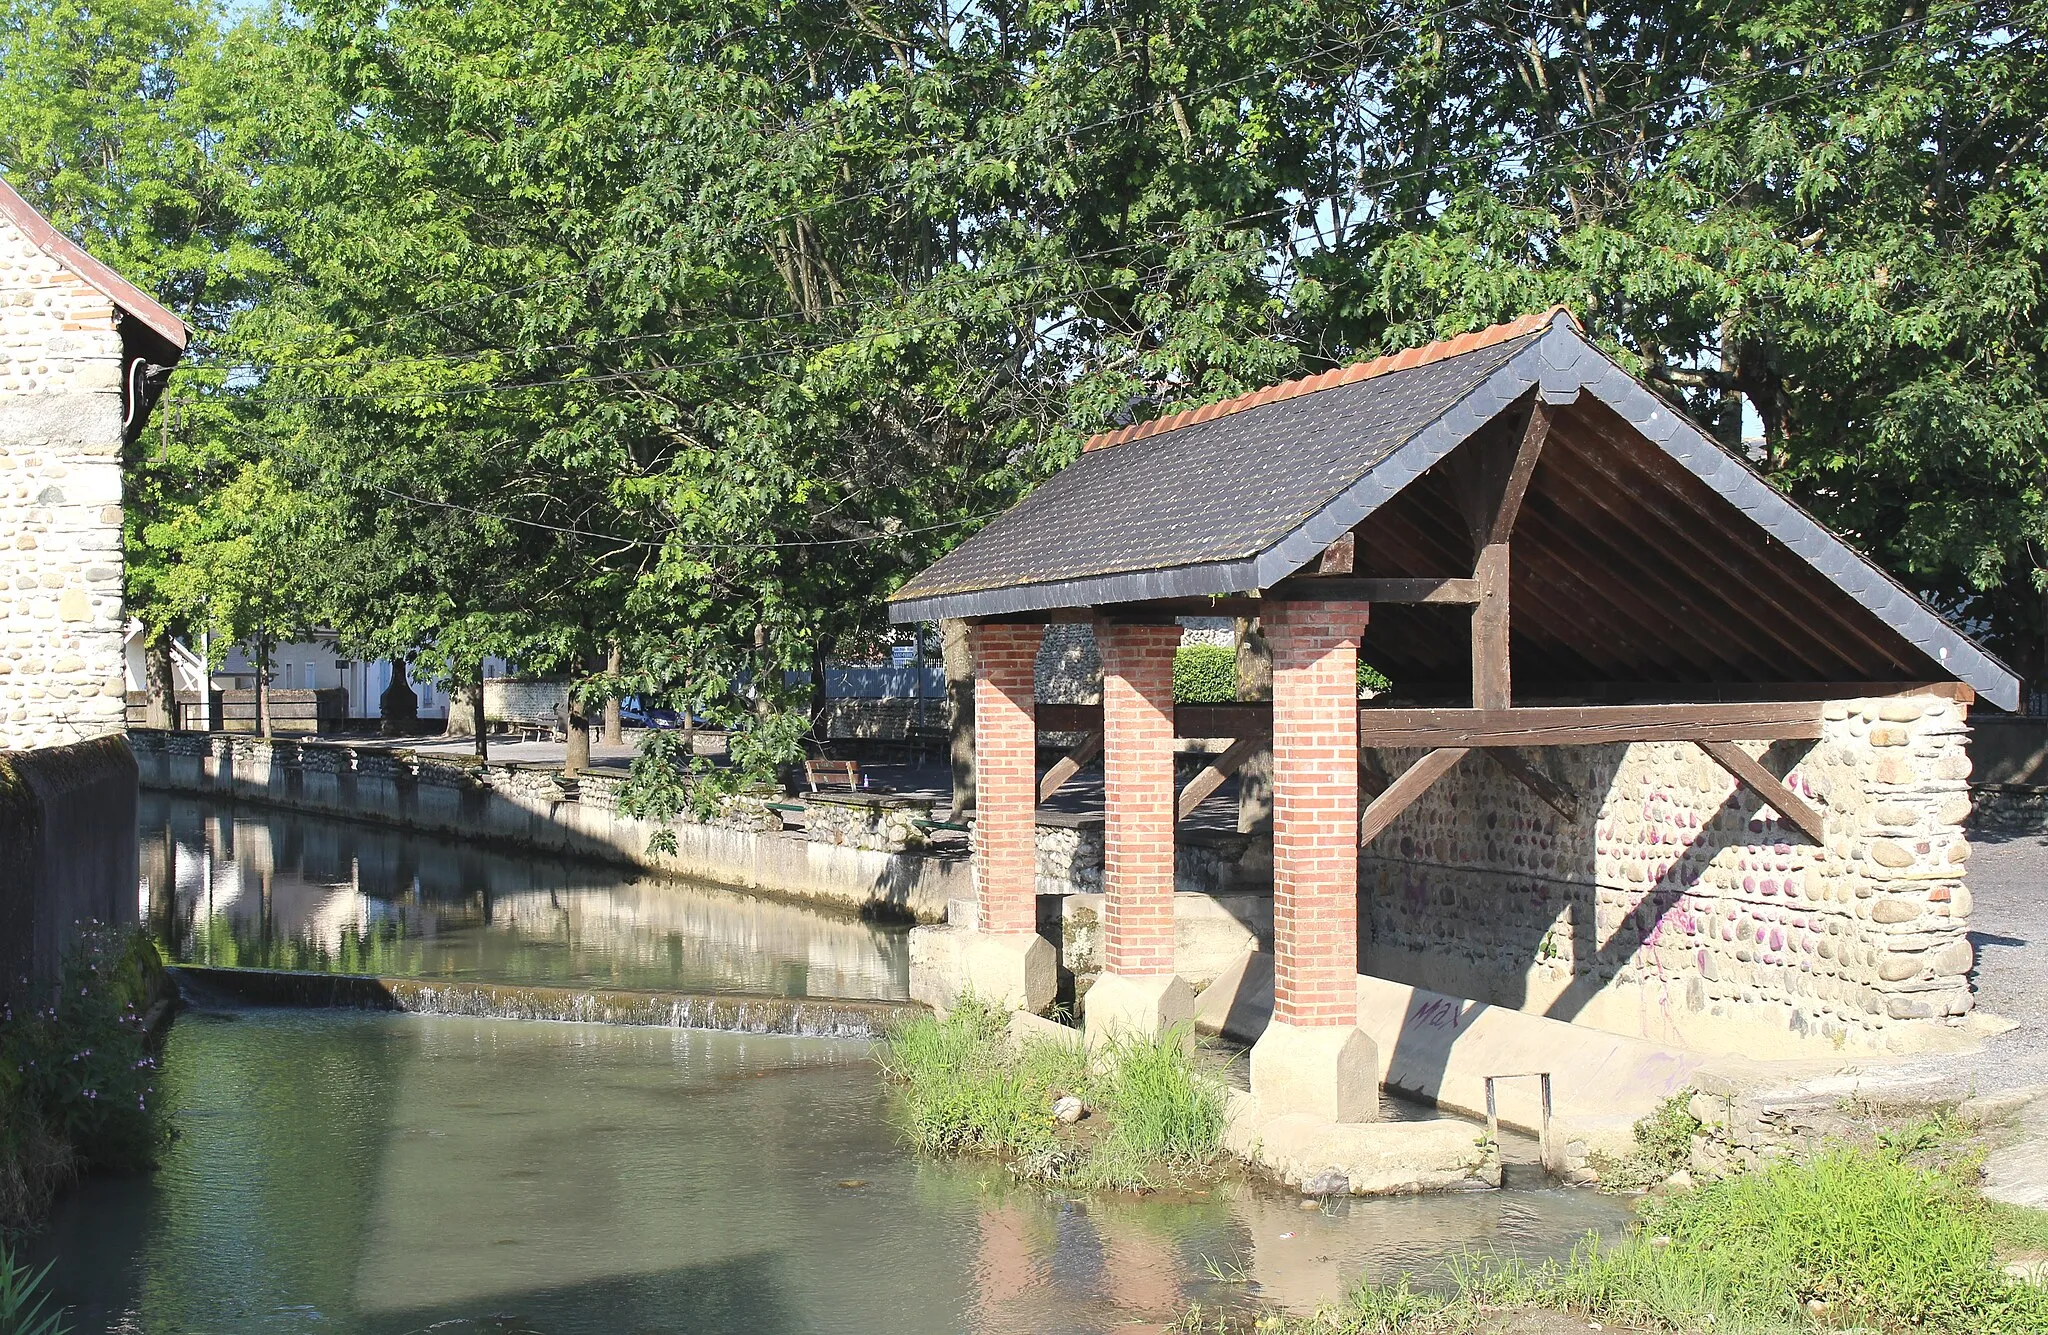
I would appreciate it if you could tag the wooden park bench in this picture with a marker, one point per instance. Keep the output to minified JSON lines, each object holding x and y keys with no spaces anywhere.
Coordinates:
{"x":842,"y":772}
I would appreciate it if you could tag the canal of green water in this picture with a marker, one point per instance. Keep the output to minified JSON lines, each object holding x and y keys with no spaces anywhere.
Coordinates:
{"x":351,"y":1172}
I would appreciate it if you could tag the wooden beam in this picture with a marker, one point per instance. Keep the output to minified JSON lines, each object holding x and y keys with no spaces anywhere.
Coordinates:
{"x":1547,"y":725}
{"x":1372,"y":775}
{"x":1216,"y":772}
{"x":1491,"y":686}
{"x":1747,"y":769}
{"x":1557,"y":796}
{"x":1588,"y":725}
{"x":1402,"y":792}
{"x":1523,"y":466}
{"x":1068,"y":765}
{"x":1426,"y":589}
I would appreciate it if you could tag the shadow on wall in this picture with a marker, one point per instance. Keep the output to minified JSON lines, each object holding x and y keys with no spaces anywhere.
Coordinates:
{"x":1674,"y":901}
{"x":67,"y":854}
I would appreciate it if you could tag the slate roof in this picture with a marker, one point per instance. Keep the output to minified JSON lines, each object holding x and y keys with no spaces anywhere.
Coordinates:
{"x":1237,"y":496}
{"x":1214,"y":494}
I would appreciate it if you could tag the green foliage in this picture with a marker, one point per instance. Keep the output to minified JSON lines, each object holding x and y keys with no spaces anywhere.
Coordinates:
{"x":77,"y":1078}
{"x":971,"y":1087}
{"x":23,"y":1300}
{"x":706,"y":327}
{"x":1204,"y":674}
{"x":1854,"y":1239}
{"x":1663,"y":1145}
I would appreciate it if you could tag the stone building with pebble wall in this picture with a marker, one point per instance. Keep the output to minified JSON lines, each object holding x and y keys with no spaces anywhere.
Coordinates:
{"x":1661,"y":755}
{"x":83,"y":354}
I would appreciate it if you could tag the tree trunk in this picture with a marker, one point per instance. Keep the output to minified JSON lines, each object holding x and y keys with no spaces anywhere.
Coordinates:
{"x":958,"y":656}
{"x":576,"y":758}
{"x":163,"y":684}
{"x":614,"y":664}
{"x":1254,"y":682}
{"x":263,"y":687}
{"x":819,"y":703}
{"x":476,"y":717}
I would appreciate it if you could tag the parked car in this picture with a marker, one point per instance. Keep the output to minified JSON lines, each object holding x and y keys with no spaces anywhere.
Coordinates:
{"x":637,"y":713}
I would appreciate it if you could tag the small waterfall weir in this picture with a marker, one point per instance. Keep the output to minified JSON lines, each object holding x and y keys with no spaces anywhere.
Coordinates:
{"x":801,"y":1017}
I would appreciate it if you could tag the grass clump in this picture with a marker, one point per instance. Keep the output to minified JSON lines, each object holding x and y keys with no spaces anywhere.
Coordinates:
{"x":1663,"y":1145}
{"x":971,"y":1087}
{"x":78,"y":1076}
{"x":1854,"y":1239}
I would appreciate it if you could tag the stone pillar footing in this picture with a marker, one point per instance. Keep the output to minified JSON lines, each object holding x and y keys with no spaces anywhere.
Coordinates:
{"x":1331,"y":1072}
{"x":1016,"y":971}
{"x":1144,"y":1006}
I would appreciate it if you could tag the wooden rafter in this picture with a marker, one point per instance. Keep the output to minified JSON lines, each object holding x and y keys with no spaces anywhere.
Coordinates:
{"x":1217,"y":771}
{"x":1748,"y":770}
{"x":1068,"y":765}
{"x":1402,"y":792}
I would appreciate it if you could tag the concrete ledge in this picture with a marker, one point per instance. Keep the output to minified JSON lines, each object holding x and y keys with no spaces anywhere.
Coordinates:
{"x":1439,"y":1049}
{"x":1374,"y":1158}
{"x":525,"y":806}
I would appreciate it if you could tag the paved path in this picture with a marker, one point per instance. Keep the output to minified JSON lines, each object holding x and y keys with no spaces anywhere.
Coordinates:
{"x":2008,"y":880}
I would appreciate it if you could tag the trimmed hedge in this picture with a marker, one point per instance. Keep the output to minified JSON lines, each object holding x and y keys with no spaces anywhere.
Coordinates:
{"x":1204,"y":674}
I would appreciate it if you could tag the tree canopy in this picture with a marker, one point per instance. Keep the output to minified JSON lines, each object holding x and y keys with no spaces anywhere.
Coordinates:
{"x":698,"y":327}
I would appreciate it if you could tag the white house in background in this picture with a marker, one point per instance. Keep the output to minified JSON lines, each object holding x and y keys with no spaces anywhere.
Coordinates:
{"x":307,"y":665}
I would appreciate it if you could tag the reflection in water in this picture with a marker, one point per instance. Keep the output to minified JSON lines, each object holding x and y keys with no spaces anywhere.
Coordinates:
{"x":247,"y":885}
{"x":376,"y":1174}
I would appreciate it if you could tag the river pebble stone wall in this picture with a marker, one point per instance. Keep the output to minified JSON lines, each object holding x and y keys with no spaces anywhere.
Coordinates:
{"x":61,"y":666}
{"x":1678,"y":903}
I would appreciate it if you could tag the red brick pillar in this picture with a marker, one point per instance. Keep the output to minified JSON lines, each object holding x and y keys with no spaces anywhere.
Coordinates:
{"x":1137,"y":771}
{"x":1006,"y":776}
{"x":1315,"y":811}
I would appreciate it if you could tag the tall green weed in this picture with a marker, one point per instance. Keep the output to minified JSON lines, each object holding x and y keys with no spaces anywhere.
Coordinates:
{"x":78,"y":1082}
{"x":971,"y":1087}
{"x":1853,"y":1239}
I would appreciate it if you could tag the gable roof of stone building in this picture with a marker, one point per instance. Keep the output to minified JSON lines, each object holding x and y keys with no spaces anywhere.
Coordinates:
{"x":1645,"y":553}
{"x":131,"y":300}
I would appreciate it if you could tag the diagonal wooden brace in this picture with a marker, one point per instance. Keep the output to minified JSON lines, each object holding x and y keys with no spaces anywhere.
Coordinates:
{"x":1747,"y":769}
{"x":1557,"y":796}
{"x":1402,"y":792}
{"x":1068,"y":765}
{"x":1216,"y":771}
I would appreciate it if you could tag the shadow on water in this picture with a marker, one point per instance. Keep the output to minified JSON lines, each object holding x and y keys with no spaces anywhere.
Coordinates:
{"x":244,"y":885}
{"x":733,"y":1295}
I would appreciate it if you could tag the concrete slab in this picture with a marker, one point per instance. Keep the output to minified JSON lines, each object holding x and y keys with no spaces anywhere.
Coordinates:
{"x":1374,"y":1158}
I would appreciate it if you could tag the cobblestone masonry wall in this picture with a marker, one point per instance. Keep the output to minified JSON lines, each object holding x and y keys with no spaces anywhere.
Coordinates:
{"x":60,"y":503}
{"x":1675,"y":907}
